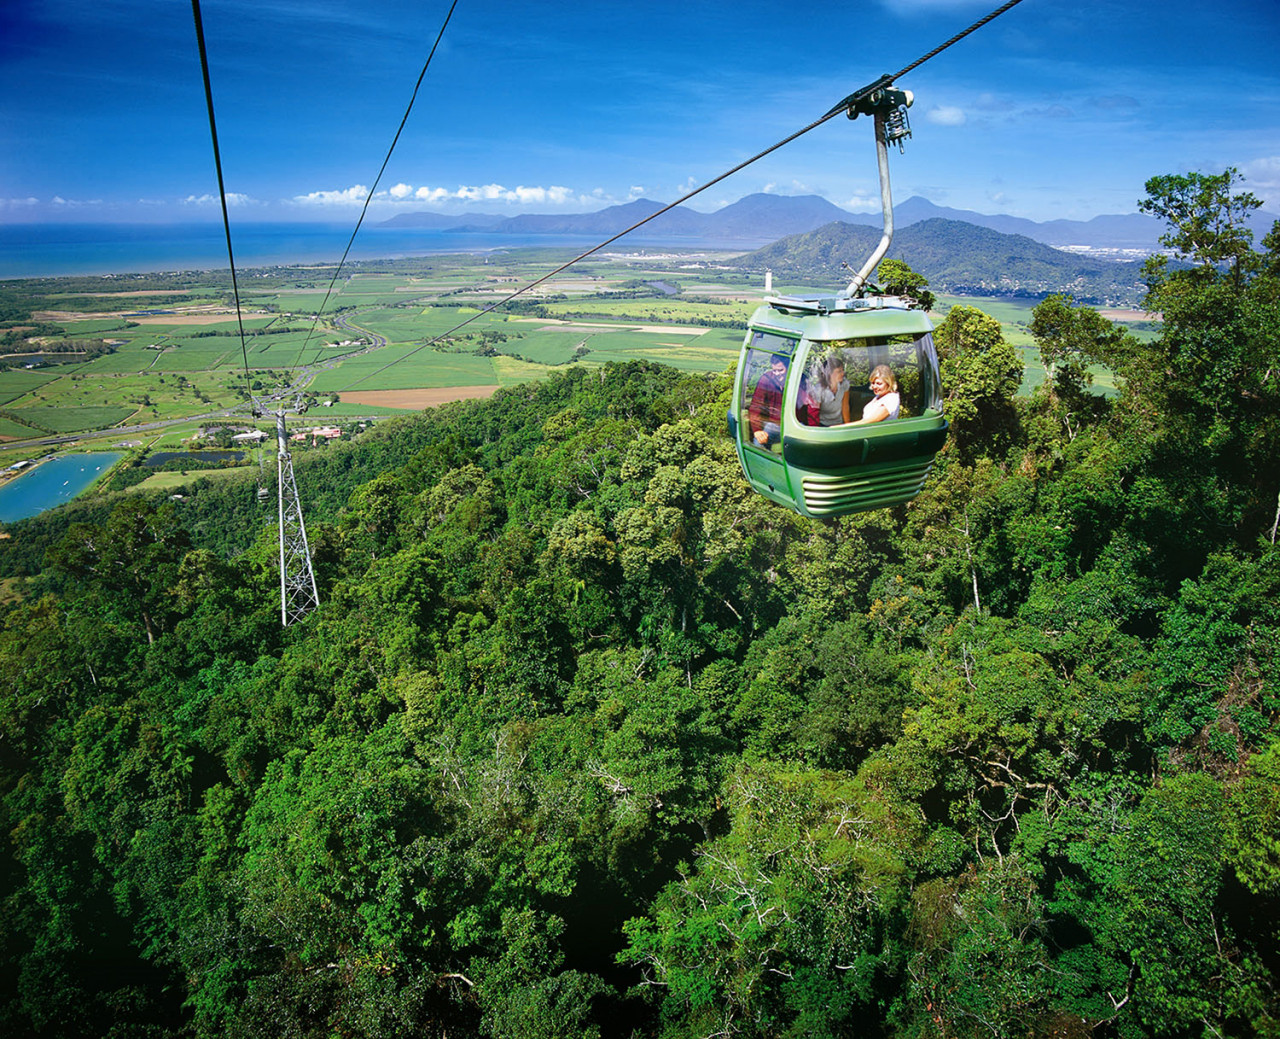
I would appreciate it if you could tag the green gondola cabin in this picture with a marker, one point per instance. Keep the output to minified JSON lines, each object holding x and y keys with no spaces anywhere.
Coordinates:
{"x":822,"y":463}
{"x":837,"y":404}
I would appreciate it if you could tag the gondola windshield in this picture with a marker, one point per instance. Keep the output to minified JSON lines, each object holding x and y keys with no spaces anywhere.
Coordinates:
{"x":768,"y":359}
{"x":837,"y":388}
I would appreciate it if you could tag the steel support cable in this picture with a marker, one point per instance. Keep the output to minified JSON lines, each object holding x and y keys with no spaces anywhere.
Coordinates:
{"x":222,"y":192}
{"x":377,"y":180}
{"x":844,"y":106}
{"x":854,"y":98}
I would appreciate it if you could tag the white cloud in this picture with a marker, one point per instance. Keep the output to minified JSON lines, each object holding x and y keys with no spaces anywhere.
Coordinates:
{"x":18,"y":202}
{"x":519,"y":195}
{"x":354,"y":195}
{"x":556,"y":195}
{"x":481,"y":193}
{"x":58,"y":200}
{"x":234,"y":198}
{"x":1262,"y":177}
{"x":946,"y":115}
{"x":862,"y":202}
{"x":795,"y":187}
{"x":453,"y":199}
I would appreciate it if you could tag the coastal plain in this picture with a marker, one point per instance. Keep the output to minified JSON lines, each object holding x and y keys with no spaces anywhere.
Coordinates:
{"x":151,"y":361}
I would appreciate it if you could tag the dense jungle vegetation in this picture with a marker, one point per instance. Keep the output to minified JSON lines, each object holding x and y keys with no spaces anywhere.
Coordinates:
{"x":586,"y":740}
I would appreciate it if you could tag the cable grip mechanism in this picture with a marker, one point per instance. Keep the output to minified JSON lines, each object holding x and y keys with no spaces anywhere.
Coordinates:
{"x":888,"y":106}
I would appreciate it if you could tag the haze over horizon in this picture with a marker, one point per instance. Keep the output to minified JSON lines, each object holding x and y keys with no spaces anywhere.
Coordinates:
{"x":1044,"y":114}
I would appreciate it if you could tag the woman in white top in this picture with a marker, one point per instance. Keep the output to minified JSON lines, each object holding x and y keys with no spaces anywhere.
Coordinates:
{"x":885,"y":403}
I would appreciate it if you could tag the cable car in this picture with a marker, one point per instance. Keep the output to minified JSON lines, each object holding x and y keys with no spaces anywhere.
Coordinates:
{"x":837,"y":403}
{"x":794,"y":349}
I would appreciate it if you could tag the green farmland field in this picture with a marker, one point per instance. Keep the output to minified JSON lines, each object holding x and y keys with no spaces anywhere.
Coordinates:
{"x":71,"y":420}
{"x":15,"y":430}
{"x":95,"y":326}
{"x":18,"y":381}
{"x":167,"y":367}
{"x":426,"y":368}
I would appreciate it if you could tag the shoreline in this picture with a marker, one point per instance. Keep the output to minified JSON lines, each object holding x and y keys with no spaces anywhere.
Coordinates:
{"x":45,"y":251}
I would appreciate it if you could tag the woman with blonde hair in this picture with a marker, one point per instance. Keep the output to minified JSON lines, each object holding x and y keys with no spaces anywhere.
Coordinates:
{"x":886,"y":402}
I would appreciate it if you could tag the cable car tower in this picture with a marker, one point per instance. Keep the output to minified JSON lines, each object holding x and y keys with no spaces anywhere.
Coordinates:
{"x":298,"y":593}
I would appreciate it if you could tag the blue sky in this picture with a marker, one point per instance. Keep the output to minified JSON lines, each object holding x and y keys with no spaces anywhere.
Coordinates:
{"x":1052,"y":111}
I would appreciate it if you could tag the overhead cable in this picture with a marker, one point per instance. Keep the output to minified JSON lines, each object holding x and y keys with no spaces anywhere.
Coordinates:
{"x":222,"y":191}
{"x":378,"y":179}
{"x":847,"y":105}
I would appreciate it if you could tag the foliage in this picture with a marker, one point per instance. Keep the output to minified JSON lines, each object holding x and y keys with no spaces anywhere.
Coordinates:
{"x":586,"y":740}
{"x":900,"y":280}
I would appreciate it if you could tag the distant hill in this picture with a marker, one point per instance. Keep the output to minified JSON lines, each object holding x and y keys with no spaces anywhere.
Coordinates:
{"x":1115,"y":231}
{"x":811,"y":238}
{"x":442,"y":221}
{"x":679,"y":222}
{"x":956,"y":257}
{"x":764,"y":217}
{"x":773,"y":216}
{"x":755,"y":218}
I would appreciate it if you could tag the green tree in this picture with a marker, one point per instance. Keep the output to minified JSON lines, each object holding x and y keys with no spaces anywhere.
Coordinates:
{"x":980,"y":964}
{"x":134,"y":560}
{"x":1206,"y":220}
{"x":1071,"y":339}
{"x":779,"y":928}
{"x":900,"y":280}
{"x":1205,"y":390}
{"x":981,"y":373}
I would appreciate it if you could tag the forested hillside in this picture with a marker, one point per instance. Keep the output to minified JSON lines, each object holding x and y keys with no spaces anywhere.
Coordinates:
{"x":587,"y":740}
{"x":957,"y":257}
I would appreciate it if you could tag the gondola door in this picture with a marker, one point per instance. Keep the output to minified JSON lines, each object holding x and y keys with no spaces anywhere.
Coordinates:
{"x":764,"y":381}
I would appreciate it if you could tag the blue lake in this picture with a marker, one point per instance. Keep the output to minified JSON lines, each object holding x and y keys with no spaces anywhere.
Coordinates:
{"x":52,"y":483}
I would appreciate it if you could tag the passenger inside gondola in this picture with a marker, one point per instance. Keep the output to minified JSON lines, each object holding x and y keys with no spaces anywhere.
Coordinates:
{"x":764,"y":415}
{"x":885,"y":401}
{"x":831,"y":394}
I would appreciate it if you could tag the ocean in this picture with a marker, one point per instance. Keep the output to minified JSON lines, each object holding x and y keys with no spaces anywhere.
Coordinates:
{"x":57,"y":250}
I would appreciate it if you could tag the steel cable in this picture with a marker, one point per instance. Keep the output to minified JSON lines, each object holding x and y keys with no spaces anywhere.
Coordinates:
{"x":377,"y":180}
{"x":843,"y":106}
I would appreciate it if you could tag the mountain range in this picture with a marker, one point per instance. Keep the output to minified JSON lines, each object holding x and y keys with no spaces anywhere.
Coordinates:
{"x":955,"y":257}
{"x":761,"y":218}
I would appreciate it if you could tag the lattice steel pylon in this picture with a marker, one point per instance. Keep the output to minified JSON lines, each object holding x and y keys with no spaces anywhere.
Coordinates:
{"x":298,"y":594}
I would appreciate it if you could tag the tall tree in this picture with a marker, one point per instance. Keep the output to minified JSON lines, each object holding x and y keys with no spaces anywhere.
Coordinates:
{"x":1208,"y":387}
{"x":1206,"y":221}
{"x":981,"y":373}
{"x":133,"y":560}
